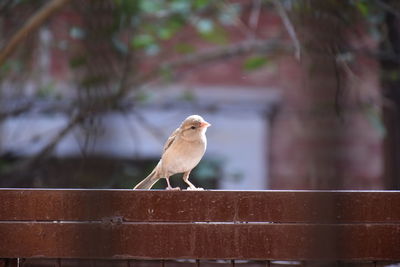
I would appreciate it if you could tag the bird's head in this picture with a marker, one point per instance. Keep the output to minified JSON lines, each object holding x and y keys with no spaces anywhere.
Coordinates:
{"x":193,"y":127}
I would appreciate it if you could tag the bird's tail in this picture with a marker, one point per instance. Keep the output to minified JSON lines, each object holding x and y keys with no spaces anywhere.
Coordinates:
{"x":149,"y":181}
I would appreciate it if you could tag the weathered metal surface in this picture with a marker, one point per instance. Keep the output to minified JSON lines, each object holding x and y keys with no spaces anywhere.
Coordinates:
{"x":201,"y":206}
{"x":258,"y":225}
{"x":178,"y":263}
{"x":189,"y":263}
{"x":200,"y":241}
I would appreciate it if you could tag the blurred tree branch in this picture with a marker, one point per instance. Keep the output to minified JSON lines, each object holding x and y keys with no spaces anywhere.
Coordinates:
{"x":34,"y":22}
{"x":4,"y":114}
{"x":225,"y":52}
{"x":239,"y":49}
{"x":53,"y":143}
{"x":289,"y":27}
{"x":103,"y":104}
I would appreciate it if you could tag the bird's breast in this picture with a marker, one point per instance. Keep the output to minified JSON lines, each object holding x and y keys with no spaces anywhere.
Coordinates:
{"x":183,"y":156}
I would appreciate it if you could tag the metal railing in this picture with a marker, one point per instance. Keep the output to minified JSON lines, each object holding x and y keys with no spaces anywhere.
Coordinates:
{"x":257,"y":228}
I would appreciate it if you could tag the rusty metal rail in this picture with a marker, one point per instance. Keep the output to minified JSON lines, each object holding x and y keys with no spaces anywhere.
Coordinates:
{"x":203,"y":225}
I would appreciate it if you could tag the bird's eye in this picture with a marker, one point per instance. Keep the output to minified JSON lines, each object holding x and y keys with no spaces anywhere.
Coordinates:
{"x":193,"y":127}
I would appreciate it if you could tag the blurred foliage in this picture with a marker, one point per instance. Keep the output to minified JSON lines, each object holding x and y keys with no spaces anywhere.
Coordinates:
{"x":128,"y":33}
{"x":114,"y":48}
{"x":108,"y":40}
{"x":253,"y":63}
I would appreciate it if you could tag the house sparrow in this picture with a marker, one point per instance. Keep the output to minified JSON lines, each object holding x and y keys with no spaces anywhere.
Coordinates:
{"x":182,"y":152}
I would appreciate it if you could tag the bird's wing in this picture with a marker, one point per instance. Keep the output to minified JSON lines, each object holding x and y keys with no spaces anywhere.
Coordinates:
{"x":170,"y":140}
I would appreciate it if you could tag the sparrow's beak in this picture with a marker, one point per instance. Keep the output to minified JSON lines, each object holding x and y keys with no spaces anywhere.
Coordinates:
{"x":204,"y":124}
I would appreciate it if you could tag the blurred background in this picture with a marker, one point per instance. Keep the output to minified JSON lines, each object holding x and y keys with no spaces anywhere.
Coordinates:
{"x":301,"y":94}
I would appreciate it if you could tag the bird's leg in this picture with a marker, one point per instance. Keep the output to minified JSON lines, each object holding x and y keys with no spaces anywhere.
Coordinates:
{"x":169,"y":187}
{"x":186,"y":180}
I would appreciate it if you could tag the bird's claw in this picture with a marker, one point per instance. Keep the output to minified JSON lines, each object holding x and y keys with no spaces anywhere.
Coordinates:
{"x":173,"y":188}
{"x":195,"y":188}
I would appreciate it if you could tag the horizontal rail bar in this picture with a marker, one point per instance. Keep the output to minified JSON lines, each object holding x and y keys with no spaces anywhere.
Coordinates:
{"x":201,"y":241}
{"x":201,"y":206}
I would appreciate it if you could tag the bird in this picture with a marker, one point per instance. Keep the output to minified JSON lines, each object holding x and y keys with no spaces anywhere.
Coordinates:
{"x":182,"y":152}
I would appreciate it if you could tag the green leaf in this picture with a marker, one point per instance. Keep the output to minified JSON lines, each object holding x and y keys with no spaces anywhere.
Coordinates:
{"x":167,"y":29}
{"x":176,"y":21}
{"x":142,"y":41}
{"x":217,"y":36}
{"x":150,"y":6}
{"x":362,"y":8}
{"x":184,"y":48}
{"x":199,"y":4}
{"x":126,"y":13}
{"x":165,"y":33}
{"x":254,"y":63}
{"x":77,"y":62}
